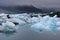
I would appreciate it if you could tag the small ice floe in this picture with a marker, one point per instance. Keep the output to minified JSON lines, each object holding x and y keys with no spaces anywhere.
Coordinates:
{"x":3,"y":18}
{"x":16,"y":21}
{"x":8,"y":27}
{"x":45,"y":19}
{"x":22,"y":16}
{"x":3,"y":15}
{"x":34,"y":20}
{"x":58,"y":22}
{"x":12,"y":16}
{"x":52,"y":21}
{"x":52,"y":25}
{"x":39,"y":27}
{"x":22,"y":23}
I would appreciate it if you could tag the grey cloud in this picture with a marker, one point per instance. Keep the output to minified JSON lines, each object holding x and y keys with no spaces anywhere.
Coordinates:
{"x":36,"y":3}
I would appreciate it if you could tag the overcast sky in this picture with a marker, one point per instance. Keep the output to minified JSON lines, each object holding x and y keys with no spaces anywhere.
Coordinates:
{"x":36,"y":3}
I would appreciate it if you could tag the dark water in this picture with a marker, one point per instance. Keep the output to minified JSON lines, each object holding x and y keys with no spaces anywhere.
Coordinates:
{"x":25,"y":33}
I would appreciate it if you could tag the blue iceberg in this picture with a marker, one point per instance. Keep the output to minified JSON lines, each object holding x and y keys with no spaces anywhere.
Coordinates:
{"x":47,"y":23}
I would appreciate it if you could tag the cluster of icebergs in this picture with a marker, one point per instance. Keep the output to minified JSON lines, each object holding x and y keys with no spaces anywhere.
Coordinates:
{"x":39,"y":24}
{"x":9,"y":22}
{"x":45,"y":23}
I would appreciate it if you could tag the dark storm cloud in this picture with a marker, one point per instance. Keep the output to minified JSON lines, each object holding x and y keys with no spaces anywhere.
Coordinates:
{"x":36,"y":3}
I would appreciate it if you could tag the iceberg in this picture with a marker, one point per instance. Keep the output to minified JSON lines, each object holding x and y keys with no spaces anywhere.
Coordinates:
{"x":22,"y":23}
{"x":3,"y":18}
{"x":8,"y":27}
{"x":22,"y":16}
{"x":14,"y":20}
{"x":39,"y":27}
{"x":34,"y":20}
{"x":45,"y":19}
{"x":19,"y":22}
{"x":46,"y":23}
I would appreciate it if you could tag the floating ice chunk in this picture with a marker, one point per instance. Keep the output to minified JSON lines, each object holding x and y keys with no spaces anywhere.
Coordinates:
{"x":52,"y":23}
{"x":52,"y":27}
{"x":19,"y":21}
{"x":58,"y":24}
{"x":55,"y":16}
{"x":2,"y":28}
{"x":39,"y":27}
{"x":9,"y":24}
{"x":40,"y":18}
{"x":8,"y":27}
{"x":22,"y":23}
{"x":3,"y":21}
{"x":45,"y":18}
{"x":14,"y":20}
{"x":3,"y":15}
{"x":12,"y":16}
{"x":47,"y":23}
{"x":34,"y":20}
{"x":22,"y":16}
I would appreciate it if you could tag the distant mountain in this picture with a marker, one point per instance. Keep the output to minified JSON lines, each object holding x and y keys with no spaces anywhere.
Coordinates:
{"x":27,"y":9}
{"x":22,"y":9}
{"x":50,"y":9}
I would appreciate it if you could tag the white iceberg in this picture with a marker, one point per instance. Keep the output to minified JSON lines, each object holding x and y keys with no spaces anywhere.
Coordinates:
{"x":14,"y":20}
{"x":22,"y":16}
{"x":22,"y":23}
{"x":34,"y":20}
{"x":8,"y":27}
{"x":39,"y":27}
{"x":45,"y":19}
{"x":3,"y":18}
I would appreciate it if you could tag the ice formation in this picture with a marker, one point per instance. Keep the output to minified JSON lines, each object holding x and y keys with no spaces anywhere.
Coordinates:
{"x":39,"y":27}
{"x":38,"y":24}
{"x":33,"y":20}
{"x":46,"y":23}
{"x":8,"y":24}
{"x":22,"y":23}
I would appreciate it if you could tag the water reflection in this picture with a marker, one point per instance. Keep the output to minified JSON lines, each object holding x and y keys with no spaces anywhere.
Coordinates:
{"x":7,"y":34}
